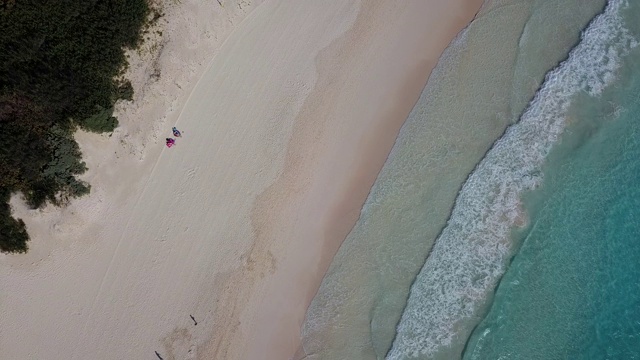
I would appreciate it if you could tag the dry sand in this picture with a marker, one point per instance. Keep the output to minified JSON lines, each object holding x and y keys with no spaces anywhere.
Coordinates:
{"x":284,"y":133}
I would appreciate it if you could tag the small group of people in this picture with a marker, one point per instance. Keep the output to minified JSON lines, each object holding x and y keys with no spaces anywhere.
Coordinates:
{"x":171,"y":141}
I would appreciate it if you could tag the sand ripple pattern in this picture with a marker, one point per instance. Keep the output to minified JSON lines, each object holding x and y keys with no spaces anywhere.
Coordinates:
{"x":470,"y":255}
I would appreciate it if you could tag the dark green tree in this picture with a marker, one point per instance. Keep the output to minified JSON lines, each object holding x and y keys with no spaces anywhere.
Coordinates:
{"x":58,"y":65}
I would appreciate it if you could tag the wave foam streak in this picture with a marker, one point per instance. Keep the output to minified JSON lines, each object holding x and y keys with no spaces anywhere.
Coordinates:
{"x":470,"y":255}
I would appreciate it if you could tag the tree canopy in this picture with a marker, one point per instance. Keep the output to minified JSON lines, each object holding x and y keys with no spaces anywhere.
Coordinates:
{"x":59,"y":61}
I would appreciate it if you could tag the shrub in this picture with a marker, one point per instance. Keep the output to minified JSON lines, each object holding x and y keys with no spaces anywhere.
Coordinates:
{"x":58,"y":63}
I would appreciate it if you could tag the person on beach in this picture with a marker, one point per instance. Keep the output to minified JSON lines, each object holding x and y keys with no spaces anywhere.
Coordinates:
{"x":176,"y":132}
{"x":170,"y":142}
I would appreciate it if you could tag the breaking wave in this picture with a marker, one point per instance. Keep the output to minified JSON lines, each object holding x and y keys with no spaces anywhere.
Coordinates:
{"x":471,"y":253}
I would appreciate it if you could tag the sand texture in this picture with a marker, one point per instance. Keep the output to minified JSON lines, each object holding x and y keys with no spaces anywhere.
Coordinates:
{"x":288,"y":111}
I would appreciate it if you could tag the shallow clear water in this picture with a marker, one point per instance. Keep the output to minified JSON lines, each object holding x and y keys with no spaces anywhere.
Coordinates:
{"x":481,"y":85}
{"x":573,"y":289}
{"x":471,"y":254}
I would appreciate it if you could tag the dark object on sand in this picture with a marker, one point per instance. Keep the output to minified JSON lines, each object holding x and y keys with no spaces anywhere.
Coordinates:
{"x":158,"y":355}
{"x":194,"y":320}
{"x":170,"y":142}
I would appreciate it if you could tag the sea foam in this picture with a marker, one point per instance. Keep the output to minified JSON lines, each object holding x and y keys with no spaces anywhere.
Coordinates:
{"x":470,"y":254}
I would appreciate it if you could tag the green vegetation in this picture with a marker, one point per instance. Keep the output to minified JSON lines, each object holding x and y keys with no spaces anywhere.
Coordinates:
{"x":58,"y":64}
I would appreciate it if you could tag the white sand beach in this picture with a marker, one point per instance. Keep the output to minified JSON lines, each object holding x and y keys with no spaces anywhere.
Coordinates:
{"x":288,"y":111}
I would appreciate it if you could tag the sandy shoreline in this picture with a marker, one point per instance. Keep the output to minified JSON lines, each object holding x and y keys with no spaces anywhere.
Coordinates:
{"x":320,"y":215}
{"x":284,"y":135}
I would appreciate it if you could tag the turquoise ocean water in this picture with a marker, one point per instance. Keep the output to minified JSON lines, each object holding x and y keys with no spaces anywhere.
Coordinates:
{"x":573,"y":289}
{"x":468,"y":243}
{"x":472,"y":253}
